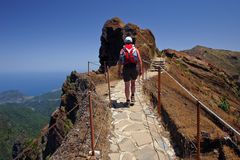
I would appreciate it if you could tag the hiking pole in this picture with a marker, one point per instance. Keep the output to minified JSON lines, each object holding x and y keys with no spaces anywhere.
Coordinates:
{"x":198,"y":130}
{"x":91,"y":123}
{"x":159,"y":90}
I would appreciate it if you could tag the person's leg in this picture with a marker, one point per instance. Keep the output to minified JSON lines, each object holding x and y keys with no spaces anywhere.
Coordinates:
{"x":133,"y":87}
{"x":134,"y":75}
{"x":127,"y":90}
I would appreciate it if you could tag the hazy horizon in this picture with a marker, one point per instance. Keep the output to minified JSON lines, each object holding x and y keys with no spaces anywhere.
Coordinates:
{"x":32,"y":84}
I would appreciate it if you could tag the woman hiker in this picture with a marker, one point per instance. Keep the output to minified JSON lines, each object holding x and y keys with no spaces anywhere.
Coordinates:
{"x":129,"y":67}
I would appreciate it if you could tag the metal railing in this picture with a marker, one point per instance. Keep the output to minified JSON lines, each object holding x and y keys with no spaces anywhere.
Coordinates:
{"x":88,"y":95}
{"x":199,"y":104}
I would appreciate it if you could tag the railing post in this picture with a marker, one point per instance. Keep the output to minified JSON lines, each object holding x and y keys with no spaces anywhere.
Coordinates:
{"x":88,"y":67}
{"x":198,"y":131}
{"x":91,"y":123}
{"x":143,"y":72}
{"x":146,"y":73}
{"x":159,"y":90}
{"x":109,"y":91}
{"x":105,"y":70}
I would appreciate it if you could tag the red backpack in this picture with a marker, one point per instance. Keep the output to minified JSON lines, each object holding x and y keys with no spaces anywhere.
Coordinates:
{"x":130,"y":54}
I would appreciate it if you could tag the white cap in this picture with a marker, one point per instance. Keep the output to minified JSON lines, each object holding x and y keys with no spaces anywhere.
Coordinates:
{"x":128,"y":39}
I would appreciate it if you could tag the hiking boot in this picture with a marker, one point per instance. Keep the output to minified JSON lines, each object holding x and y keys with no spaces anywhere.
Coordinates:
{"x":127,"y":103}
{"x":132,"y":99}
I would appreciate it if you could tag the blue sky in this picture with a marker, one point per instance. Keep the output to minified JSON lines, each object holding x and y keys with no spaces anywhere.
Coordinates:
{"x":61,"y":35}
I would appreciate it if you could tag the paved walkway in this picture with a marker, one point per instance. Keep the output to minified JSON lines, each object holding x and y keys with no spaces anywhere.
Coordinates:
{"x":136,"y":132}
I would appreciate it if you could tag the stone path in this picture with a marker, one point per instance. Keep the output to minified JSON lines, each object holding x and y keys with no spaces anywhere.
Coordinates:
{"x":136,"y":132}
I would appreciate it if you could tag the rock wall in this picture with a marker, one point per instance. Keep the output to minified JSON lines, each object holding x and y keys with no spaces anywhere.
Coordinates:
{"x":71,"y":111}
{"x":112,"y":39}
{"x":74,"y":93}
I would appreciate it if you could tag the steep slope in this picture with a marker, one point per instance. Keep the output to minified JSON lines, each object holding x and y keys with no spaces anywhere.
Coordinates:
{"x":22,"y":121}
{"x":229,"y":61}
{"x":209,"y":84}
{"x":67,"y":134}
{"x":18,"y":123}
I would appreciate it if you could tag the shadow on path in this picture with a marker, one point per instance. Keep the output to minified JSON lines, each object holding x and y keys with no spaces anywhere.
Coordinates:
{"x":117,"y":105}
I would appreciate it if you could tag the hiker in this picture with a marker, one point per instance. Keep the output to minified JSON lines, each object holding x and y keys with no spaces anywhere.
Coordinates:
{"x":132,"y":67}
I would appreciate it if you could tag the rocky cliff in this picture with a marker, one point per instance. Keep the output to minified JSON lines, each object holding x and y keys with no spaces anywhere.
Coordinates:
{"x":113,"y":33}
{"x":69,"y":123}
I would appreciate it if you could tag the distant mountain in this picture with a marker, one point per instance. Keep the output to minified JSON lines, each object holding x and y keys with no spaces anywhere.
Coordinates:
{"x":11,"y":96}
{"x":21,"y":117}
{"x":229,"y":61}
{"x":50,"y":101}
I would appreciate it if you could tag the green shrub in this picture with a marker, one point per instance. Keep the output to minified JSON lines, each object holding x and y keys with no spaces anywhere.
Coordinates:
{"x":67,"y":126}
{"x":224,"y":104}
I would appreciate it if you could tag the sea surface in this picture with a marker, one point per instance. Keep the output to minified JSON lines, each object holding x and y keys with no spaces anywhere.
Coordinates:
{"x":32,"y":84}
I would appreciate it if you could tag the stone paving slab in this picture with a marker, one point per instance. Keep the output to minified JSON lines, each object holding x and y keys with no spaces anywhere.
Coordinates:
{"x":146,"y":153}
{"x":114,"y":148}
{"x":119,"y":116}
{"x":122,"y":124}
{"x":142,"y":138}
{"x":127,"y":145}
{"x":114,"y":156}
{"x":135,"y":128}
{"x":127,"y":156}
{"x":137,"y":133}
{"x":136,"y":116}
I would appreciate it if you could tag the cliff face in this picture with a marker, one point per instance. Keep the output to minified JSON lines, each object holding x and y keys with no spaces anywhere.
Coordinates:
{"x":68,"y":134}
{"x":112,"y":39}
{"x":71,"y":110}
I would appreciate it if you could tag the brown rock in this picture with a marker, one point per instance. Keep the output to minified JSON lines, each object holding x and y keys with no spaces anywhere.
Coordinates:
{"x":112,"y":39}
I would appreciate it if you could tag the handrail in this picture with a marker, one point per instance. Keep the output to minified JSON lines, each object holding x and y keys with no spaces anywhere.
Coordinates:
{"x":197,"y":100}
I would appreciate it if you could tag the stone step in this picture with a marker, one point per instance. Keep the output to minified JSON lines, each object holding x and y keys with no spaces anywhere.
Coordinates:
{"x":157,"y":65}
{"x":158,"y":62}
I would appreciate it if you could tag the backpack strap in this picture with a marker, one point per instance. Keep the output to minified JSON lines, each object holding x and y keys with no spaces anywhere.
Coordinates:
{"x":128,"y":51}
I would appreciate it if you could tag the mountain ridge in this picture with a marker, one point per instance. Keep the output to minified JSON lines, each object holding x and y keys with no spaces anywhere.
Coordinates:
{"x":227,"y":60}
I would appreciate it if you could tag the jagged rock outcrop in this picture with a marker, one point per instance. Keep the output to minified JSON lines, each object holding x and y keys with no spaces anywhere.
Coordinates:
{"x":113,"y":33}
{"x":74,"y":94}
{"x":72,"y":108}
{"x":16,"y":148}
{"x":67,"y":135}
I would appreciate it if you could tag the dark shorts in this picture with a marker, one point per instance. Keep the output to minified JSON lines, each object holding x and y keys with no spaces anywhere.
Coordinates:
{"x":129,"y":73}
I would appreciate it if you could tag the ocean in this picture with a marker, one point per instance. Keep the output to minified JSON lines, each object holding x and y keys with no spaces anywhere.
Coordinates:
{"x":32,"y":84}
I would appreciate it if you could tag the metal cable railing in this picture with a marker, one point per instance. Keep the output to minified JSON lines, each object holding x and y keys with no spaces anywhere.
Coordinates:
{"x":88,"y":95}
{"x":199,"y":105}
{"x":36,"y":140}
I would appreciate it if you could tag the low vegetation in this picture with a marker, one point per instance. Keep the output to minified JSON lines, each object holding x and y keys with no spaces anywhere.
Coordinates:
{"x":23,"y":121}
{"x":224,"y":104}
